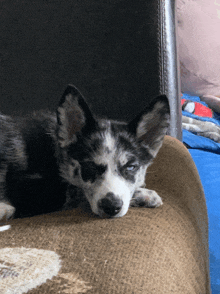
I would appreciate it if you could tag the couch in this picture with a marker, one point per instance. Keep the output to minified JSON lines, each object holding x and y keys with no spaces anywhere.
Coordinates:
{"x":120,"y":54}
{"x":153,"y":251}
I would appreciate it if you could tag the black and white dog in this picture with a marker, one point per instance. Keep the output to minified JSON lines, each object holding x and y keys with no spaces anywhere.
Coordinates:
{"x":48,"y":162}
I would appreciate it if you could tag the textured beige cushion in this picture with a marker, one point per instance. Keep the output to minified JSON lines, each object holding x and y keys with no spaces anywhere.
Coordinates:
{"x":160,"y":251}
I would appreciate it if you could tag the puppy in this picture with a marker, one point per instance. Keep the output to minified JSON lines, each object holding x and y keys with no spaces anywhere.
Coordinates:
{"x":53,"y":161}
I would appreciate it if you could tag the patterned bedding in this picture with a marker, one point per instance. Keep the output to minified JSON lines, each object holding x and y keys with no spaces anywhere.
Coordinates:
{"x":201,"y":135}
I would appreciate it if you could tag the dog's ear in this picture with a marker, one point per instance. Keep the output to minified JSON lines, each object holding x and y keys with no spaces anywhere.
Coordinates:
{"x":151,"y":125}
{"x":73,"y":116}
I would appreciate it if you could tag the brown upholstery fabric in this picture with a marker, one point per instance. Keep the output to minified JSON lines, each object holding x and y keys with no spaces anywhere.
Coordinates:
{"x":153,"y":251}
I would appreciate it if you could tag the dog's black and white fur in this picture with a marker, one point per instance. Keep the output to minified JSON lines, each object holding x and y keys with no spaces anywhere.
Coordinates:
{"x":44,"y":157}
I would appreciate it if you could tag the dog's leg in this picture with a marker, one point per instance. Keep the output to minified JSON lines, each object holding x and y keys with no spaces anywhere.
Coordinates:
{"x":6,"y":210}
{"x":145,"y":198}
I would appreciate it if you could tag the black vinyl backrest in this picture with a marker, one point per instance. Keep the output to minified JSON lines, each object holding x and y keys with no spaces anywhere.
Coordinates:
{"x":120,"y":54}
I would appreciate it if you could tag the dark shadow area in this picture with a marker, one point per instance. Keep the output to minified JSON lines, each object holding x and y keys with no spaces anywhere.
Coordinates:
{"x":107,"y":49}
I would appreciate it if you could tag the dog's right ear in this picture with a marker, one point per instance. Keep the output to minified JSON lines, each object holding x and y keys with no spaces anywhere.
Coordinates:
{"x":151,"y":125}
{"x":73,"y":116}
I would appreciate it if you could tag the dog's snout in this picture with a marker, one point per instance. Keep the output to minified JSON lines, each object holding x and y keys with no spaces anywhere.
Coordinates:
{"x":110,"y":204}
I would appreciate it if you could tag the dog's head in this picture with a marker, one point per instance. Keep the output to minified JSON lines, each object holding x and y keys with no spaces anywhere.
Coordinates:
{"x":108,"y":159}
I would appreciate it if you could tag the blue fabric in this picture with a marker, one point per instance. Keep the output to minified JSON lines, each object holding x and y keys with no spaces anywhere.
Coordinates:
{"x":198,"y":142}
{"x":206,"y":155}
{"x":208,"y":165}
{"x":193,"y":98}
{"x":214,"y":120}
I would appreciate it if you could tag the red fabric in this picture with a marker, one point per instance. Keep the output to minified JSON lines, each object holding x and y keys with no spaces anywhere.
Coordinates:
{"x":200,"y":109}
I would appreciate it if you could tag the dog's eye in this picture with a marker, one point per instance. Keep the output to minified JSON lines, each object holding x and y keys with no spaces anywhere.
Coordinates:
{"x":131,"y":167}
{"x":129,"y":170}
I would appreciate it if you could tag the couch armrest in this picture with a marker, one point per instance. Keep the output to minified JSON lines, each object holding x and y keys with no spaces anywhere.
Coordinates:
{"x":174,"y":172}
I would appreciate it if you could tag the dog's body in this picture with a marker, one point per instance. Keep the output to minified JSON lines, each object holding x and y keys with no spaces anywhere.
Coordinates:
{"x":29,"y":170}
{"x":43,"y":157}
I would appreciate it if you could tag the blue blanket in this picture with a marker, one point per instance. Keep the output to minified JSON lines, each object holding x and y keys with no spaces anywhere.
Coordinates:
{"x":206,"y":155}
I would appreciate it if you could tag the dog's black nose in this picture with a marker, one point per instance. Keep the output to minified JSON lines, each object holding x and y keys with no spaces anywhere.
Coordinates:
{"x":110,"y":204}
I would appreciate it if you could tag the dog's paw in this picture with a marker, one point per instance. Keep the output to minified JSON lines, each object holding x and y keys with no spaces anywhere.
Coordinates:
{"x":6,"y":211}
{"x":146,"y":198}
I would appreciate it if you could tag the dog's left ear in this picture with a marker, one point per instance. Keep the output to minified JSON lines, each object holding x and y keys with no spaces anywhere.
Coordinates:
{"x":73,"y":116}
{"x":151,"y":125}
